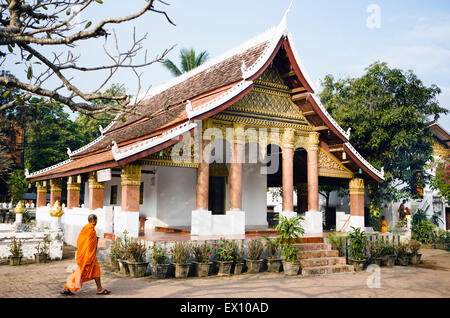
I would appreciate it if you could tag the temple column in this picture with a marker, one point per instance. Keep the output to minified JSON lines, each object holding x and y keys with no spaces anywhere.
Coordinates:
{"x":131,"y":182}
{"x":302,"y":197}
{"x":73,"y":193}
{"x":96,"y":190}
{"x":202,"y":189}
{"x":288,"y":170}
{"x":357,"y":202}
{"x":313,"y":172}
{"x":41,"y":195}
{"x":236,"y":168}
{"x":55,"y":190}
{"x":313,"y":218}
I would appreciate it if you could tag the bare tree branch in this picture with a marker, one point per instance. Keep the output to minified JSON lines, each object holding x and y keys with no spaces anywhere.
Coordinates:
{"x":27,"y":27}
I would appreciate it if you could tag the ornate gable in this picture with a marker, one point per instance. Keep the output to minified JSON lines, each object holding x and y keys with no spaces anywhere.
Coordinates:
{"x":270,"y":100}
{"x":330,"y":167}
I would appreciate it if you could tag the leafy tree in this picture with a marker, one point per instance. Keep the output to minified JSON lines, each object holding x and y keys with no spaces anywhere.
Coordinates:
{"x":188,"y":59}
{"x":17,"y":185}
{"x":389,"y":112}
{"x":88,"y":125}
{"x":48,"y":136}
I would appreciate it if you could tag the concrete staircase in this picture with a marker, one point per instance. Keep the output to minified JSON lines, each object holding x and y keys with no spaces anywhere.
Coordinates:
{"x":319,"y":258}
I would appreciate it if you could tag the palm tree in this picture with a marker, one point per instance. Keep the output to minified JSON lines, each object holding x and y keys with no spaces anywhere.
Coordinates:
{"x":189,"y":60}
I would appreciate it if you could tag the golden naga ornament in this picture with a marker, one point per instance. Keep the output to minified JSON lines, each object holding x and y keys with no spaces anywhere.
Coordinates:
{"x":19,"y":209}
{"x":56,"y":210}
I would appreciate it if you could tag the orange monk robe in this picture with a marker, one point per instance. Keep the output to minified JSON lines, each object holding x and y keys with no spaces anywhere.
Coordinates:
{"x":87,"y":268}
{"x":384,"y":226}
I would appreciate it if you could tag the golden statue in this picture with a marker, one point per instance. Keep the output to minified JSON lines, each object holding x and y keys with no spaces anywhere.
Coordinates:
{"x":56,"y":210}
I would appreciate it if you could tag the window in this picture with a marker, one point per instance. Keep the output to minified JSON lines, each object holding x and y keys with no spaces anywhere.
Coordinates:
{"x":113,"y":198}
{"x":438,"y":206}
{"x":141,"y":193}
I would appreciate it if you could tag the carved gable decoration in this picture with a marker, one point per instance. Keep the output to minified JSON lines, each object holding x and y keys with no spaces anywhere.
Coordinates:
{"x":330,"y":167}
{"x":269,"y":99}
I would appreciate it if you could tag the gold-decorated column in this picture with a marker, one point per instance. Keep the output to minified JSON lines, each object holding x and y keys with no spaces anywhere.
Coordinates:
{"x":96,"y":190}
{"x":131,"y":181}
{"x":288,"y":170}
{"x":313,"y":172}
{"x":236,"y":168}
{"x":357,"y":197}
{"x":41,"y":195}
{"x":73,"y":193}
{"x":55,"y":190}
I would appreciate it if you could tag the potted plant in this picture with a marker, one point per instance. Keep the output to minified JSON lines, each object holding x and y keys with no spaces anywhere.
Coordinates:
{"x":338,"y":243}
{"x":137,"y":264}
{"x":202,"y":253}
{"x":414,"y":247}
{"x":224,"y":251}
{"x":42,"y":251}
{"x":115,"y":255}
{"x":388,"y":254}
{"x":273,"y":262}
{"x":358,"y":243}
{"x":124,"y":252}
{"x":181,"y":251}
{"x":159,"y":267}
{"x":254,"y":251}
{"x":290,"y":231}
{"x":402,"y":254}
{"x":15,"y":248}
{"x":238,"y":257}
{"x":375,"y":249}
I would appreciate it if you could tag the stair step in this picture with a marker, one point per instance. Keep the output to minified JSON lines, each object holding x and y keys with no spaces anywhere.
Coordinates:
{"x":331,"y":269}
{"x":322,"y":261}
{"x":313,"y":246}
{"x":317,"y":254}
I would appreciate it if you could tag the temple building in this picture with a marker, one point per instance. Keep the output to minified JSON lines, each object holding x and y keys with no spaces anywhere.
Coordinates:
{"x":210,"y":144}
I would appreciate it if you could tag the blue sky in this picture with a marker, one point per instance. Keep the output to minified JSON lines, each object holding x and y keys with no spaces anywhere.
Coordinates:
{"x":332,"y":37}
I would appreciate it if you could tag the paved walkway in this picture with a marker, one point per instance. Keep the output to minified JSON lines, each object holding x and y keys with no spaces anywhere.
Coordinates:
{"x":429,"y":279}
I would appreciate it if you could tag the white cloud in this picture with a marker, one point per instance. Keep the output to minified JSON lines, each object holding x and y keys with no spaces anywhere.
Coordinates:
{"x":422,"y":59}
{"x":436,"y":32}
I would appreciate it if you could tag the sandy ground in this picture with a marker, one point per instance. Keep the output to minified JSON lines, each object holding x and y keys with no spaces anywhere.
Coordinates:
{"x":429,"y":279}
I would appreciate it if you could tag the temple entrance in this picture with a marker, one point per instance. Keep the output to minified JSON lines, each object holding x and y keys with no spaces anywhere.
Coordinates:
{"x":216,"y":200}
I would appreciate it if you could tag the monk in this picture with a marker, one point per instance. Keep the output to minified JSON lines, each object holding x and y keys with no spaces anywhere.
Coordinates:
{"x":384,"y":226}
{"x":87,"y":268}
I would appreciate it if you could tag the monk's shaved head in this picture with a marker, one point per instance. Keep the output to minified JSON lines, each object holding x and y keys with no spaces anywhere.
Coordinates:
{"x":92,"y":218}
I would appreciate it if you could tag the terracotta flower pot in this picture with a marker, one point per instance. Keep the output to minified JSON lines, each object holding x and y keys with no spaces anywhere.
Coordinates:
{"x":40,"y":258}
{"x":181,"y":270}
{"x":114,"y":265}
{"x":389,"y":260}
{"x":253,"y":265}
{"x":137,"y":269}
{"x":15,"y":260}
{"x":358,"y":264}
{"x":403,"y":260}
{"x":291,"y":268}
{"x":378,"y":261}
{"x":202,"y":269}
{"x":238,"y":266}
{"x":224,"y":268}
{"x":123,"y":267}
{"x":159,"y":271}
{"x":273,"y":264}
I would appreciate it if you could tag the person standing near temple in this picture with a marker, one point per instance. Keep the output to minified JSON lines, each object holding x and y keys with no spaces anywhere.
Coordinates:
{"x":87,"y":265}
